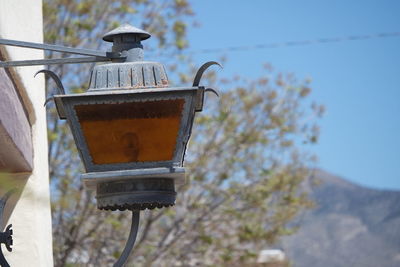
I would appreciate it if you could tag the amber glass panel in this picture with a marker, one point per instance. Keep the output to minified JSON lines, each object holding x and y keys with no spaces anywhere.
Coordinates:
{"x":131,"y":132}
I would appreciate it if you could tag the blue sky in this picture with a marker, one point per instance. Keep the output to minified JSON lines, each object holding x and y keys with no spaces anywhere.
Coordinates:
{"x":358,"y":81}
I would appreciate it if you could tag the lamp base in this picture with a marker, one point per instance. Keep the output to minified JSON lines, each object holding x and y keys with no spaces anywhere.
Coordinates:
{"x":136,"y":189}
{"x":136,"y":194}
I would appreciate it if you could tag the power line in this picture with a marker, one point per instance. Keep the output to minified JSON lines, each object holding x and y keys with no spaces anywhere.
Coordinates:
{"x":289,"y":43}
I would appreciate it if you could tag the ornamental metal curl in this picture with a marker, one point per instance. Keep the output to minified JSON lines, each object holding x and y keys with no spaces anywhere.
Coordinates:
{"x":199,"y":74}
{"x":6,"y":236}
{"x":56,"y":79}
{"x":201,"y":70}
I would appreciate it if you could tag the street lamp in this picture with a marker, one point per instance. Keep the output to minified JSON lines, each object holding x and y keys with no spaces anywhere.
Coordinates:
{"x":131,"y":129}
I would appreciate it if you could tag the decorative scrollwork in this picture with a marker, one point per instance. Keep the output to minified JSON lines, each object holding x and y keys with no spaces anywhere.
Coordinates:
{"x":6,"y":236}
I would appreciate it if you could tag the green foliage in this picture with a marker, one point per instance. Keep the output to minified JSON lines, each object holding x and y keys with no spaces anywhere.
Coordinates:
{"x":247,"y":163}
{"x":180,"y":32}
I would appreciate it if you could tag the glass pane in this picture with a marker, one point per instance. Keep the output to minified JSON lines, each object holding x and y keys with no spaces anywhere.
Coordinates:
{"x":131,"y":132}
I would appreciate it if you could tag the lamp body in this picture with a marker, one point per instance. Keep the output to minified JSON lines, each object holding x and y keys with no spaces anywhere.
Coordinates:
{"x":131,"y":129}
{"x":132,"y":139}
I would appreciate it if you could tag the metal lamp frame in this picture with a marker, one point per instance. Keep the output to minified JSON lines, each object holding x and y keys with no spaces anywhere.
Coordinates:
{"x":126,"y":48}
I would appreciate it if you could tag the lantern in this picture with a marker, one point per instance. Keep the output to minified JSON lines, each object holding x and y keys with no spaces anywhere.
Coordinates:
{"x":131,"y":129}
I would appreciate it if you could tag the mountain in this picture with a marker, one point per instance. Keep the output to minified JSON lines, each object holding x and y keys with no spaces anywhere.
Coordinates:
{"x":351,"y":226}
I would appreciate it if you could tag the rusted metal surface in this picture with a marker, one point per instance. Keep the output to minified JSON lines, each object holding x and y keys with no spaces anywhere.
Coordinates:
{"x":128,"y":75}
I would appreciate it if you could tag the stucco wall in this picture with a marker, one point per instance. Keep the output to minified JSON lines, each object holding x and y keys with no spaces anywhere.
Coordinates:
{"x":31,"y":217}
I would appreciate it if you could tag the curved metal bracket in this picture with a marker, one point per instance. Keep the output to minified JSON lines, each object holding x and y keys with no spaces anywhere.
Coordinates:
{"x":56,"y":79}
{"x":131,"y":239}
{"x":201,"y":70}
{"x":212,"y":91}
{"x":201,"y":90}
{"x":6,"y":236}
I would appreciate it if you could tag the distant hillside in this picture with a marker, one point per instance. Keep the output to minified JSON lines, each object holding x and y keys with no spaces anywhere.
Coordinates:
{"x":351,"y":226}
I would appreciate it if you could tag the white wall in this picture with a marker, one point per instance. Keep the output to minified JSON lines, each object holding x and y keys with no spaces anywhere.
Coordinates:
{"x":31,"y":217}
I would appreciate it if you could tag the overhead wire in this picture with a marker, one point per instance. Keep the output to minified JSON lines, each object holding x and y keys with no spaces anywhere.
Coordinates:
{"x":284,"y":44}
